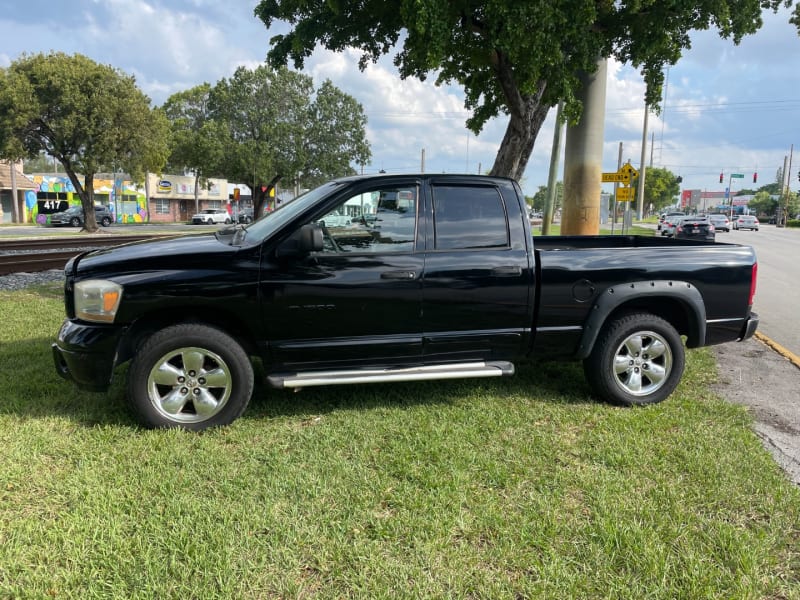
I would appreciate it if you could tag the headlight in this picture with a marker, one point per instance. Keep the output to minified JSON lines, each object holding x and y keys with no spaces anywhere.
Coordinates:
{"x":97,"y":300}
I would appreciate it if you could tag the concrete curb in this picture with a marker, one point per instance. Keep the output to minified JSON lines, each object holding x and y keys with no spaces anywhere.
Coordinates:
{"x":786,"y":353}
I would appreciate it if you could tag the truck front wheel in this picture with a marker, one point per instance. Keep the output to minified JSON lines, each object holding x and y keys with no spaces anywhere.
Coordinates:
{"x":638,"y":359}
{"x":190,"y":376}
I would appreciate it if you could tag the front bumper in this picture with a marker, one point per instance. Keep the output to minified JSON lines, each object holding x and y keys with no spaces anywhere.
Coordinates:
{"x":87,"y":354}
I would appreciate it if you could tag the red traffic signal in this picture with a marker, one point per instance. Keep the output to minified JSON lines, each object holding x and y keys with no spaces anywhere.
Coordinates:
{"x":755,"y":177}
{"x":720,"y":177}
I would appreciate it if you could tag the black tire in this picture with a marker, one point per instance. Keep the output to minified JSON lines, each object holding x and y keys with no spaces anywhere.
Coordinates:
{"x":190,"y":376}
{"x":637,"y":359}
{"x":210,"y":222}
{"x":105,"y":222}
{"x":227,"y":221}
{"x":75,"y":222}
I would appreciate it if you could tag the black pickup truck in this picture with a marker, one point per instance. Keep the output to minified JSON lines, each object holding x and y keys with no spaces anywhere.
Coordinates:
{"x":392,"y":278}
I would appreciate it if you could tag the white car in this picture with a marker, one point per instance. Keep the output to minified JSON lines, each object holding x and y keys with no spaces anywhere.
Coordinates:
{"x":211,"y":216}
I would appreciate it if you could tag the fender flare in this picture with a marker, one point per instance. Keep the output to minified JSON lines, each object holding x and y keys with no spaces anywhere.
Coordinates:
{"x":613,"y":297}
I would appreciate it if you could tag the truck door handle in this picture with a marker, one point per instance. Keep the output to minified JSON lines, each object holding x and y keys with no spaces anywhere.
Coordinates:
{"x":398,"y":275}
{"x":507,"y":271}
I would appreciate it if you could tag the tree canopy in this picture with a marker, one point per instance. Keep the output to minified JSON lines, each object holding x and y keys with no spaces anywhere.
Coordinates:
{"x":514,"y":58}
{"x":274,"y":126}
{"x":661,"y":188}
{"x":197,"y":139}
{"x":86,"y":115}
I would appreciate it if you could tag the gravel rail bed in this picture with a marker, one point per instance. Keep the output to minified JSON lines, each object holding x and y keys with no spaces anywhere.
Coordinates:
{"x":20,"y":281}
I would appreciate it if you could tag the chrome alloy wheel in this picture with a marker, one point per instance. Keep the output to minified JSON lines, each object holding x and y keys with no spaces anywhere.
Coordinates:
{"x":642,"y":363}
{"x":189,"y":385}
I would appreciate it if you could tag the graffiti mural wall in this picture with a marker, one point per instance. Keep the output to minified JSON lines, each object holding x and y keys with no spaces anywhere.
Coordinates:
{"x":123,"y":198}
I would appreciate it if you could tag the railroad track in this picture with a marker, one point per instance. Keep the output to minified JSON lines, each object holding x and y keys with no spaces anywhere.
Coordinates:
{"x":28,"y":256}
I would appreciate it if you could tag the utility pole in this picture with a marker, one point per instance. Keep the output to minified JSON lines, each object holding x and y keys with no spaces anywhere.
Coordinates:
{"x":583,"y":162}
{"x":616,"y":187}
{"x":642,"y":167}
{"x":422,"y":162}
{"x":14,"y":200}
{"x":555,"y":154}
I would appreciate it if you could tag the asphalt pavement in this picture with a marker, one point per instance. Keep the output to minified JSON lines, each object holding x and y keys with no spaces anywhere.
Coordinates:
{"x":766,"y":381}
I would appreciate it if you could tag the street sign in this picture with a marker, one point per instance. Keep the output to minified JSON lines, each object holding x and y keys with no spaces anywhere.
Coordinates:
{"x":627,"y":168}
{"x":618,"y":177}
{"x":737,"y":175}
{"x":624,"y":194}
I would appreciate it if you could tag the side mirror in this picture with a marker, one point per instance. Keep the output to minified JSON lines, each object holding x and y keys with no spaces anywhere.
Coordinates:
{"x":303,"y":241}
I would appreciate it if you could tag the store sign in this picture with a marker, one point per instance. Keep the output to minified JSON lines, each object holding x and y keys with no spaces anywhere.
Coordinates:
{"x":164,"y":187}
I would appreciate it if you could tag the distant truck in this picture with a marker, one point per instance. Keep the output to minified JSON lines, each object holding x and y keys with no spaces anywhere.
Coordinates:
{"x":448,"y":283}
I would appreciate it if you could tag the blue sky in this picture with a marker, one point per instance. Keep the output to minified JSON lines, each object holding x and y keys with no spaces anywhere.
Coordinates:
{"x":729,"y":109}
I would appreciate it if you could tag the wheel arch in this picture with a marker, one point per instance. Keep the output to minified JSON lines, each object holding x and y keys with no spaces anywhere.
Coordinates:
{"x":677,"y":302}
{"x":151,"y":322}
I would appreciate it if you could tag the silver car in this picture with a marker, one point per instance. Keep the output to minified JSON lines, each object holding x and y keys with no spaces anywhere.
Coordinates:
{"x":720,"y":222}
{"x":746,"y":222}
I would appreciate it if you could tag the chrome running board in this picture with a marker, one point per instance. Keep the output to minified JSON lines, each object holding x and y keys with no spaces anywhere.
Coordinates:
{"x":428,"y":372}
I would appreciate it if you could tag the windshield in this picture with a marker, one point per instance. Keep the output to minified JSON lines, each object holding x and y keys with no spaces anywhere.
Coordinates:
{"x":261,"y":229}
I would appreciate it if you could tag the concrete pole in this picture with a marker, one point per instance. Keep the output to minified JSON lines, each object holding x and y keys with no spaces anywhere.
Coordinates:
{"x":552,"y":177}
{"x":583,"y":161}
{"x":422,"y":161}
{"x":642,"y":168}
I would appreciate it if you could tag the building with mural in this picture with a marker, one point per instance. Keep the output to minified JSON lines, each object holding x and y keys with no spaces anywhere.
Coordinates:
{"x":54,"y":193}
{"x":16,"y":190}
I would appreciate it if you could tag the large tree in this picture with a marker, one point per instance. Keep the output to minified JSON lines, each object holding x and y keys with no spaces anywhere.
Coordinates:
{"x":661,"y":187}
{"x":85,"y":115}
{"x":279,"y":129}
{"x":514,"y":58}
{"x":197,"y":138}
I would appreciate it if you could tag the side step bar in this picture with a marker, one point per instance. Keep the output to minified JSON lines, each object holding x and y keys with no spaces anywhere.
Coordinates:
{"x":428,"y":372}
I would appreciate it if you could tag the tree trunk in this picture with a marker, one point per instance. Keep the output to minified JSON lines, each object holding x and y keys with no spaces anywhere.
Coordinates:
{"x":260,"y":194}
{"x":89,"y":220}
{"x":527,"y":113}
{"x":85,"y":193}
{"x":523,"y":127}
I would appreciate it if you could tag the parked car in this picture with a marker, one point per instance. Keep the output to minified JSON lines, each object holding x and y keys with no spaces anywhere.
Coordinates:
{"x":720,"y":222}
{"x":695,"y":228}
{"x":211,"y":216}
{"x":74,"y":216}
{"x":460,"y":291}
{"x":666,"y":217}
{"x":746,"y":222}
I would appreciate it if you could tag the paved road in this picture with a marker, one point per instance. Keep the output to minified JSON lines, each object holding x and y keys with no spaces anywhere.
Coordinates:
{"x":755,"y":374}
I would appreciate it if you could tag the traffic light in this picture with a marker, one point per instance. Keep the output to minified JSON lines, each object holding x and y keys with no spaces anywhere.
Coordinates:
{"x":720,"y":177}
{"x":679,"y":179}
{"x":755,"y":177}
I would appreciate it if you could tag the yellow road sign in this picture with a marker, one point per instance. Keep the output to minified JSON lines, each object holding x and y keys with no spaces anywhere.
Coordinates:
{"x":628,"y":168}
{"x":618,"y":177}
{"x":624,"y":194}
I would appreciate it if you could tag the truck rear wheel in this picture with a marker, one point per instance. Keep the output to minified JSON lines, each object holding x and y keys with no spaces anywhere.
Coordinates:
{"x":190,"y":376}
{"x":638,"y":359}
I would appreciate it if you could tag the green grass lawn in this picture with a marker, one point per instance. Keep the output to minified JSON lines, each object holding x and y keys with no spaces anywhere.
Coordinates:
{"x":518,"y":487}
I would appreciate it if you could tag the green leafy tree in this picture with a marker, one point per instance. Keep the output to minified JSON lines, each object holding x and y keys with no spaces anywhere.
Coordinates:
{"x":763,"y":204}
{"x":197,"y":138}
{"x":661,"y":186}
{"x":277,"y":129}
{"x":83,"y":114}
{"x":512,"y":58}
{"x":336,"y":136}
{"x":41,"y":163}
